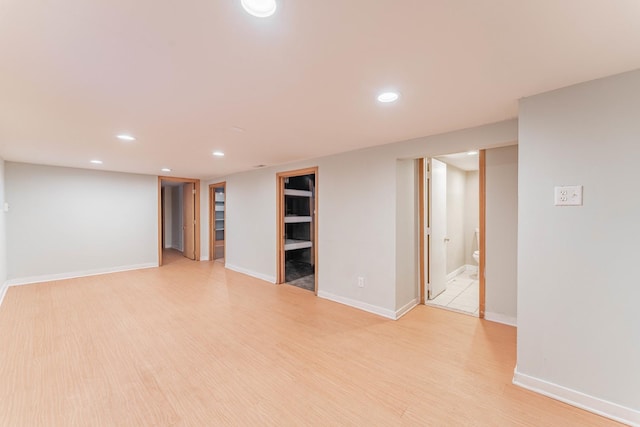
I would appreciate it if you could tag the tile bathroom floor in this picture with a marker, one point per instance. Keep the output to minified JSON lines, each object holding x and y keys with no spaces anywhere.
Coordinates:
{"x":462,"y":294}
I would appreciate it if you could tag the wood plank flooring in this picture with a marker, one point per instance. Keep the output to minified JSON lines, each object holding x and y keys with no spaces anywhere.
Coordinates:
{"x":192,"y":344}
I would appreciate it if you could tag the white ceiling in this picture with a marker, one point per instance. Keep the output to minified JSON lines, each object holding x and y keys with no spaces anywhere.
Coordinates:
{"x":301,"y":84}
{"x":464,"y":161}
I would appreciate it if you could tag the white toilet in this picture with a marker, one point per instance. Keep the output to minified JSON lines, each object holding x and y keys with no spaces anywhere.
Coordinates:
{"x":476,"y":254}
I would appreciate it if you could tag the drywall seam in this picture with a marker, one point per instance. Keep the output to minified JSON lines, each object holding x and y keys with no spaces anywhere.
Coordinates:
{"x":578,"y":399}
{"x":270,"y":279}
{"x":389,"y":314}
{"x":74,"y":274}
{"x":406,"y":308}
{"x":501,"y":318}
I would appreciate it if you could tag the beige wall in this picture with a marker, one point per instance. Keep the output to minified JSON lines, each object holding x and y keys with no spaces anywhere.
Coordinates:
{"x":64,"y":222}
{"x":502,"y":234}
{"x":578,"y":297}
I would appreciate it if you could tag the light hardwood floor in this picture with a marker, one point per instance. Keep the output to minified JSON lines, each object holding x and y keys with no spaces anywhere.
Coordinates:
{"x":193,"y":344}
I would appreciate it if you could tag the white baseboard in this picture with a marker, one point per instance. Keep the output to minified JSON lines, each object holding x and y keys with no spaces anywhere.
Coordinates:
{"x":3,"y":291}
{"x":575,"y":398}
{"x":406,"y":308}
{"x":455,"y":272}
{"x":389,"y":314}
{"x":204,"y":258}
{"x":461,"y":270}
{"x":501,"y":318}
{"x":251,"y":273}
{"x":72,"y":275}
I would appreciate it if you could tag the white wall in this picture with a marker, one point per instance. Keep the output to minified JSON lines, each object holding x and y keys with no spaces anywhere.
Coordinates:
{"x":3,"y":234}
{"x":471,"y":216}
{"x":357,"y":215}
{"x":407,"y":240}
{"x":64,"y":222}
{"x":455,"y":218}
{"x":502,"y":234}
{"x":578,"y":297}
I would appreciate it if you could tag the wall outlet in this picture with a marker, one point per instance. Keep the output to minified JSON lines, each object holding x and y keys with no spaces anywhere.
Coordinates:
{"x":568,"y":195}
{"x":361,"y":282}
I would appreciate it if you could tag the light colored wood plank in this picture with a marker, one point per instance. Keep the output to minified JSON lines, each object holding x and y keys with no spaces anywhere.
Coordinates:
{"x":195,"y":344}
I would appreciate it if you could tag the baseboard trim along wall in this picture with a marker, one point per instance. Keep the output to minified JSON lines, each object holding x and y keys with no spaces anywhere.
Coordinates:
{"x":575,"y":398}
{"x":270,"y":279}
{"x":204,"y":258}
{"x":406,"y":308}
{"x":389,"y":314}
{"x":3,"y":291}
{"x":460,"y":270}
{"x":455,"y":272}
{"x":501,"y":318}
{"x":74,"y":274}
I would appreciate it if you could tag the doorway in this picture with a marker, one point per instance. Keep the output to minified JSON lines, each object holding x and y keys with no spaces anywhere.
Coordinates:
{"x":217,"y":221}
{"x":451,"y":231}
{"x":178,"y":217}
{"x":297,"y":227}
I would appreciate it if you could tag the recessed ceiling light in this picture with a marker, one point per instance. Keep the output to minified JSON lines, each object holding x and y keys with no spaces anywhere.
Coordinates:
{"x":388,"y":96}
{"x":472,"y":153}
{"x":165,"y":170}
{"x":259,"y":8}
{"x":237,"y":129}
{"x":96,"y":162}
{"x":218,"y":153}
{"x":125,"y":137}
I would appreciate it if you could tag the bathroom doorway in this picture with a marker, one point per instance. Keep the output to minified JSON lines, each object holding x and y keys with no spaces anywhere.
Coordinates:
{"x":297,"y":228}
{"x":451,"y":224}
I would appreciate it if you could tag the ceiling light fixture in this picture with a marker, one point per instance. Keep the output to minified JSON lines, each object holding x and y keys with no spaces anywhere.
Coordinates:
{"x":259,"y":8}
{"x":218,"y":153}
{"x":96,"y":162}
{"x":125,"y":137}
{"x":388,"y":97}
{"x":165,"y":170}
{"x":472,"y":153}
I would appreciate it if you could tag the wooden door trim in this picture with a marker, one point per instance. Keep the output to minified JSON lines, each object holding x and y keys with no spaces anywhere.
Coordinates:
{"x":421,"y":231}
{"x":482,"y":178}
{"x":280,"y":176}
{"x":212,"y":206}
{"x":196,"y":183}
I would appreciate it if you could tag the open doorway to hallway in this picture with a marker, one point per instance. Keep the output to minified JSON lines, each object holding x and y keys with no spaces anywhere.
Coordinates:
{"x":452,"y":231}
{"x":178,"y":217}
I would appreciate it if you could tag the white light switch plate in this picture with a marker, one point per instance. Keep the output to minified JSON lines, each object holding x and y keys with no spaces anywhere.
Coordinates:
{"x":568,"y":195}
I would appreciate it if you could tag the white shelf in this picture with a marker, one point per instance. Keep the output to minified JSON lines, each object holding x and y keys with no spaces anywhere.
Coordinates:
{"x":219,"y":229}
{"x":296,"y":219}
{"x":220,"y":208}
{"x":299,"y":193}
{"x":219,"y":197}
{"x":291,"y":244}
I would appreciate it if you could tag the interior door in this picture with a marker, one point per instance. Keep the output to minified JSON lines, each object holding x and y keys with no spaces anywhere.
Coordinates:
{"x":437,"y":203}
{"x":189,"y":220}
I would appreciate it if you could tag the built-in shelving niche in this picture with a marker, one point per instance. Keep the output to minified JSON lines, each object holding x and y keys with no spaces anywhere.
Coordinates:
{"x":299,"y":230}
